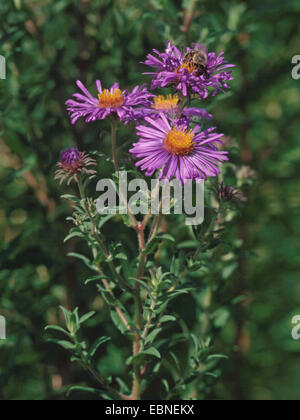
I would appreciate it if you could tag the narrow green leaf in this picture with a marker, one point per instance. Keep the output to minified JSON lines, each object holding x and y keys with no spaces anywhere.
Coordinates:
{"x":118,"y":322}
{"x":56,"y":328}
{"x":98,"y":343}
{"x":86,"y":317}
{"x":67,"y":315}
{"x":152,"y":336}
{"x":166,"y":385}
{"x":167,"y":318}
{"x":153,"y":352}
{"x":83,"y":389}
{"x":92,"y":279}
{"x":73,"y":235}
{"x":166,"y":237}
{"x":65,"y":344}
{"x":70,"y":197}
{"x":139,"y":357}
{"x":81,"y":257}
{"x":175,"y":358}
{"x":85,"y":259}
{"x":213,"y":375}
{"x":217,"y":356}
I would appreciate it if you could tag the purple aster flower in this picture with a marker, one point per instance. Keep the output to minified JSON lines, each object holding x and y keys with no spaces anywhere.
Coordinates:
{"x":202,"y":113}
{"x":113,"y":101}
{"x":177,"y":150}
{"x":176,"y":68}
{"x":73,"y":163}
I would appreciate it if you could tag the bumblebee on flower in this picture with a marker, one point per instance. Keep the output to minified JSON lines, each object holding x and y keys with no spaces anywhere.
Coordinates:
{"x":173,"y":68}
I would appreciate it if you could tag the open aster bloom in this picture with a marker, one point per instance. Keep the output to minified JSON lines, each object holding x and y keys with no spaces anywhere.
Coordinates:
{"x":169,"y":105}
{"x":177,"y":150}
{"x":109,"y":101}
{"x":172,"y":70}
{"x":72,"y":164}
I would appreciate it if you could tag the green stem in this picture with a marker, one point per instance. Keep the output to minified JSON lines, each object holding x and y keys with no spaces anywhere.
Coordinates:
{"x":154,"y":228}
{"x":138,"y":344}
{"x":141,"y":267}
{"x":142,"y":258}
{"x":81,"y":189}
{"x":136,"y":386}
{"x":114,"y":129}
{"x":150,"y":317}
{"x":181,"y":105}
{"x":136,"y":390}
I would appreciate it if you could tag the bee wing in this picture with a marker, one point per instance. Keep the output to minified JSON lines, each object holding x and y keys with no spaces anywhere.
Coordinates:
{"x":200,"y":47}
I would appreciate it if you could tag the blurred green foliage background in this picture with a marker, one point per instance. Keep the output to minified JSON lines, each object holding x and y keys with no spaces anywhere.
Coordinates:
{"x":48,"y":45}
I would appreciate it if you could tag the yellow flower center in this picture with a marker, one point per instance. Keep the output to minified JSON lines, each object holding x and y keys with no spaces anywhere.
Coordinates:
{"x":113,"y":98}
{"x":179,"y":141}
{"x":187,"y":66}
{"x":165,"y":103}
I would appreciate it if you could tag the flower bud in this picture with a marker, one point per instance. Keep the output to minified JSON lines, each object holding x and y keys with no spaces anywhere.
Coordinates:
{"x":72,"y":164}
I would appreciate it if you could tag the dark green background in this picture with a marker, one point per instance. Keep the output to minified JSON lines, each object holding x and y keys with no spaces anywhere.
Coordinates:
{"x":48,"y":45}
